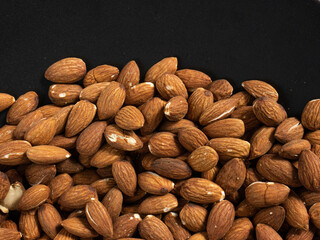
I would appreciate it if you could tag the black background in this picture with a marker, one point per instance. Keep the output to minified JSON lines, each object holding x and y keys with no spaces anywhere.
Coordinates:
{"x":274,"y":40}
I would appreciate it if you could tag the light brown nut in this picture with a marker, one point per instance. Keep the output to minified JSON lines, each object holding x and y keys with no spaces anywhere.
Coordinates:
{"x":165,"y":144}
{"x":194,"y":217}
{"x":259,"y":89}
{"x":49,"y":219}
{"x":171,"y":168}
{"x":203,"y":159}
{"x":272,"y":216}
{"x":125,"y":176}
{"x":221,"y":89}
{"x":309,"y":170}
{"x":261,"y":141}
{"x":102,"y":73}
{"x":6,"y":100}
{"x":30,"y":120}
{"x":240,"y":229}
{"x":166,"y":65}
{"x":264,"y":232}
{"x":139,"y":94}
{"x":4,"y":185}
{"x":210,"y":174}
{"x":85,"y":177}
{"x":129,"y":118}
{"x":29,"y":225}
{"x":69,"y":166}
{"x":175,"y":226}
{"x":309,"y":197}
{"x":9,"y":224}
{"x":59,"y":185}
{"x":13,"y":153}
{"x":153,"y":183}
{"x":64,"y":142}
{"x":229,"y":127}
{"x":174,"y":127}
{"x":64,"y":94}
{"x":105,"y":156}
{"x":92,"y":92}
{"x":129,"y":75}
{"x":79,"y":226}
{"x":246,"y":114}
{"x":192,"y":138}
{"x":292,"y":149}
{"x":125,"y":226}
{"x":310,"y":117}
{"x":62,"y":116}
{"x":77,"y":197}
{"x":103,"y":185}
{"x":158,"y":204}
{"x":113,"y":202}
{"x":290,"y":129}
{"x":7,"y":133}
{"x":313,"y":137}
{"x":47,"y":154}
{"x":34,"y":197}
{"x":243,"y":98}
{"x":245,"y":209}
{"x":49,"y":110}
{"x":152,"y":228}
{"x":193,"y":79}
{"x":298,"y":234}
{"x":176,"y":108}
{"x":169,"y":86}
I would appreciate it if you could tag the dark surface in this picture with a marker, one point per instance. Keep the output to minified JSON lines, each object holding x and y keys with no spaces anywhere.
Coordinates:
{"x":274,"y":40}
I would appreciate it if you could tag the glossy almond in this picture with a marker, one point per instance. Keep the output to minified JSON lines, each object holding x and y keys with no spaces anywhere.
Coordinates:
{"x":174,"y":224}
{"x":154,"y":184}
{"x":166,"y":65}
{"x":290,"y":129}
{"x":171,"y":168}
{"x":49,"y":110}
{"x":152,"y":228}
{"x":64,"y":142}
{"x":13,"y":153}
{"x":243,"y":98}
{"x":272,"y":216}
{"x":165,"y":144}
{"x":264,"y":232}
{"x":29,"y":225}
{"x":92,"y":92}
{"x":193,"y":79}
{"x":129,"y":118}
{"x":103,"y":185}
{"x":229,"y":127}
{"x":67,"y":70}
{"x":42,"y":133}
{"x":125,"y":177}
{"x":292,"y":149}
{"x":102,"y":73}
{"x":169,"y":85}
{"x":64,"y":94}
{"x":129,"y":75}
{"x":139,"y":94}
{"x":176,"y":108}
{"x":79,"y":226}
{"x":7,"y":133}
{"x":158,"y":204}
{"x":77,"y":197}
{"x":259,"y":89}
{"x":62,"y":116}
{"x":174,"y":127}
{"x":47,"y":154}
{"x":310,"y":117}
{"x":6,"y":100}
{"x":34,"y":197}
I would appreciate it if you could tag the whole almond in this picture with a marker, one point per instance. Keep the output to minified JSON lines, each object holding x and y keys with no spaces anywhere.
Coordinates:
{"x":90,"y":139}
{"x":30,"y":120}
{"x":277,"y":169}
{"x":309,"y":197}
{"x":228,"y":148}
{"x":64,"y":94}
{"x":252,"y":176}
{"x":49,"y":110}
{"x":77,"y":197}
{"x":46,"y":154}
{"x":298,"y":234}
{"x":42,"y":133}
{"x":259,"y":89}
{"x":85,"y":177}
{"x":268,"y":111}
{"x":6,"y":100}
{"x":158,"y":204}
{"x":125,"y":177}
{"x":229,"y":127}
{"x":49,"y":219}
{"x":102,"y":73}
{"x":169,"y":85}
{"x":292,"y":149}
{"x":125,"y":226}
{"x":80,"y":117}
{"x":25,"y":103}
{"x":175,"y":226}
{"x":29,"y":225}
{"x":218,"y":110}
{"x":105,"y":156}
{"x":203,"y":159}
{"x":110,"y":100}
{"x":310,"y":117}
{"x":9,"y":224}
{"x":13,"y":153}
{"x":103,"y":185}
{"x":246,"y":114}
{"x":272,"y":216}
{"x":264,"y":232}
{"x":174,"y":127}
{"x":62,"y":116}
{"x":245,"y":209}
{"x":198,"y":101}
{"x":296,"y":212}
{"x":313,"y":137}
{"x":290,"y":129}
{"x":64,"y":142}
{"x":171,"y":168}
{"x":201,"y":190}
{"x":261,"y":141}
{"x":309,"y":170}
{"x":194,"y":217}
{"x":232,"y":175}
{"x":154,"y":184}
{"x":34,"y":197}
{"x":129,"y":118}
{"x":265,"y":194}
{"x":99,"y":218}
{"x":67,"y":70}
{"x":92,"y":92}
{"x":70,"y":166}
{"x":166,"y":65}
{"x":7,"y":133}
{"x":129,"y":75}
{"x":243,"y":98}
{"x":59,"y":185}
{"x":79,"y":226}
{"x":240,"y":230}
{"x":314,"y":214}
{"x":176,"y":108}
{"x":221,"y":89}
{"x":165,"y":144}
{"x":113,"y":203}
{"x":152,"y":228}
{"x":193,"y":79}
{"x":192,"y":138}
{"x":139,"y":94}
{"x":220,"y":219}
{"x":40,"y":174}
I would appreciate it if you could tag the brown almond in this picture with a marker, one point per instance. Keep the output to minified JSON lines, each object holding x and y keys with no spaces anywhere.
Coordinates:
{"x":103,"y":186}
{"x":85,"y":177}
{"x":309,"y":197}
{"x":252,"y":176}
{"x":79,"y":226}
{"x":203,"y":159}
{"x":309,"y":170}
{"x":9,"y":224}
{"x":153,"y":228}
{"x":298,"y":234}
{"x":211,"y":174}
{"x":64,"y":142}
{"x":240,"y":229}
{"x":166,"y":65}
{"x":290,"y":129}
{"x":229,"y":127}
{"x":42,"y":133}
{"x":193,"y":79}
{"x":7,"y":133}
{"x":314,"y":214}
{"x":264,"y":232}
{"x":245,"y":209}
{"x":62,"y":116}
{"x":165,"y":144}
{"x":171,"y":168}
{"x":102,"y":73}
{"x":77,"y":197}
{"x":194,"y":217}
{"x":246,"y":114}
{"x":292,"y":149}
{"x":169,"y":86}
{"x":64,"y":94}
{"x":6,"y":100}
{"x":129,"y":75}
{"x":153,"y":183}
{"x":175,"y":226}
{"x":176,"y":108}
{"x":139,"y":94}
{"x":221,"y":89}
{"x":158,"y":204}
{"x":40,"y":174}
{"x":129,"y":118}
{"x":65,"y":235}
{"x":49,"y":110}
{"x":126,"y":226}
{"x":59,"y":185}
{"x":105,"y":156}
{"x":310,"y":117}
{"x":272,"y":216}
{"x":174,"y":127}
{"x":46,"y":154}
{"x":259,"y":89}
{"x":29,"y":225}
{"x":125,"y":177}
{"x":70,"y":166}
{"x":13,"y":153}
{"x":49,"y":219}
{"x":113,"y":203}
{"x":4,"y":185}
{"x":192,"y":138}
{"x":92,"y":92}
{"x":243,"y":97}
{"x":261,"y":141}
{"x":34,"y":197}
{"x":199,"y":236}
{"x":30,"y":120}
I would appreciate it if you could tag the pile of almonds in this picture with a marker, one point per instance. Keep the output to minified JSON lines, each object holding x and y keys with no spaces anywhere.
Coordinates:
{"x":177,"y":156}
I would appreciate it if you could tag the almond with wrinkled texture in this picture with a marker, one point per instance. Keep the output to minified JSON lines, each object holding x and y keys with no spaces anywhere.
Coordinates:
{"x":65,"y":235}
{"x":165,"y":144}
{"x":4,"y":185}
{"x":176,"y":108}
{"x":64,"y":94}
{"x":9,"y":224}
{"x":125,"y":176}
{"x":139,"y":94}
{"x":309,"y":197}
{"x":6,"y":100}
{"x":221,"y":89}
{"x":259,"y":89}
{"x":7,"y":133}
{"x":85,"y":177}
{"x":264,"y":232}
{"x":102,"y":73}
{"x":103,"y":185}
{"x":129,"y":75}
{"x":62,"y":116}
{"x":59,"y":185}
{"x":175,"y":226}
{"x":49,"y":219}
{"x":105,"y":156}
{"x":309,"y":170}
{"x":64,"y":142}
{"x":310,"y":117}
{"x":246,"y":114}
{"x":229,"y":127}
{"x":169,"y":85}
{"x":126,"y":226}
{"x":70,"y":166}
{"x":298,"y":234}
{"x":314,"y":213}
{"x":40,"y":174}
{"x":194,"y":217}
{"x":129,"y":118}
{"x":29,"y":225}
{"x":166,"y":65}
{"x":203,"y":159}
{"x":290,"y":129}
{"x":261,"y":141}
{"x":79,"y":226}
{"x":272,"y":216}
{"x":174,"y":127}
{"x":47,"y":154}
{"x":30,"y":120}
{"x":34,"y":197}
{"x":240,"y":230}
{"x":243,"y":98}
{"x":13,"y":153}
{"x":154,"y":184}
{"x":158,"y":204}
{"x":193,"y":79}
{"x":192,"y":138}
{"x":42,"y":133}
{"x":313,"y":137}
{"x":245,"y":209}
{"x":171,"y":168}
{"x":77,"y":197}
{"x":152,"y":228}
{"x":210,"y":174}
{"x":113,"y":203}
{"x":49,"y":110}
{"x":92,"y":92}
{"x":292,"y":149}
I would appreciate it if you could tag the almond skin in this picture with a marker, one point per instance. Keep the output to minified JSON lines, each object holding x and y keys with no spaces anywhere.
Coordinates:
{"x":13,"y":153}
{"x":62,"y":116}
{"x":272,"y":216}
{"x":25,"y":103}
{"x":203,"y":159}
{"x":64,"y":94}
{"x":221,"y":89}
{"x":314,"y":214}
{"x":240,"y":230}
{"x":7,"y":133}
{"x":310,"y":117}
{"x":313,"y":137}
{"x":34,"y":197}
{"x":40,"y":174}
{"x":176,"y":108}
{"x":59,"y":185}
{"x":103,"y":186}
{"x":268,"y":111}
{"x":166,"y":65}
{"x":154,"y":184}
{"x":229,"y":127}
{"x":192,"y":138}
{"x":292,"y":149}
{"x":65,"y":235}
{"x":264,"y":232}
{"x":165,"y":144}
{"x":194,"y":217}
{"x":77,"y":197}
{"x":158,"y":204}
{"x":79,"y":226}
{"x":298,"y":234}
{"x":64,"y":142}
{"x":129,"y":75}
{"x":220,"y":219}
{"x":6,"y":100}
{"x":105,"y":156}
{"x":49,"y":219}
{"x":259,"y":89}
{"x":126,"y":226}
{"x":243,"y":98}
{"x":200,"y":190}
{"x":174,"y":127}
{"x":129,"y":118}
{"x":309,"y":170}
{"x":261,"y":141}
{"x":46,"y":154}
{"x":125,"y":177}
{"x":193,"y":79}
{"x":171,"y":168}
{"x":92,"y":92}
{"x":169,"y":86}
{"x":113,"y":203}
{"x":4,"y":185}
{"x":290,"y":129}
{"x":139,"y":94}
{"x":49,"y":110}
{"x":246,"y":114}
{"x":29,"y":225}
{"x":102,"y":73}
{"x":153,"y":228}
{"x":175,"y":226}
{"x":67,"y":70}
{"x":42,"y":133}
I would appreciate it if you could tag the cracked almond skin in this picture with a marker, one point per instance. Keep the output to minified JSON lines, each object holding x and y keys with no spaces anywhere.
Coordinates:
{"x":169,"y":86}
{"x":165,"y":144}
{"x":47,"y":154}
{"x":34,"y":197}
{"x":290,"y":129}
{"x":166,"y":65}
{"x":221,"y":89}
{"x":193,"y":79}
{"x":129,"y":118}
{"x":220,"y":219}
{"x":309,"y":170}
{"x":192,"y":138}
{"x":229,"y":127}
{"x":258,"y":89}
{"x":79,"y":226}
{"x":102,"y":73}
{"x":240,"y":229}
{"x":264,"y":232}
{"x":125,"y":176}
{"x":266,"y":194}
{"x":6,"y":100}
{"x":77,"y":196}
{"x":272,"y":216}
{"x":49,"y":219}
{"x":202,"y":191}
{"x":13,"y":153}
{"x":171,"y":168}
{"x":67,"y":70}
{"x":129,"y":75}
{"x":193,"y":217}
{"x":153,"y":183}
{"x":152,"y":228}
{"x":158,"y":204}
{"x":310,"y":117}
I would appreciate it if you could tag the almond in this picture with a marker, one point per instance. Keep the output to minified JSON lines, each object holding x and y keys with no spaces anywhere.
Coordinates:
{"x":64,"y":94}
{"x":25,"y":103}
{"x":246,"y":114}
{"x":203,"y":159}
{"x":228,"y":148}
{"x":126,"y":226}
{"x":268,"y":111}
{"x":129,"y":118}
{"x":40,"y":174}
{"x":42,"y":133}
{"x":67,"y":70}
{"x":62,"y":116}
{"x":265,"y":194}
{"x":175,"y":226}
{"x":194,"y":217}
{"x":220,"y":219}
{"x":154,"y":184}
{"x":292,"y":149}
{"x":192,"y":138}
{"x":201,"y":190}
{"x":65,"y":235}
{"x":113,"y":203}
{"x":49,"y":219}
{"x":158,"y":204}
{"x":198,"y":101}
{"x":34,"y":197}
{"x":102,"y":73}
{"x":77,"y":197}
{"x":176,"y":108}
{"x":259,"y":89}
{"x":64,"y":142}
{"x":13,"y":153}
{"x":147,"y":161}
{"x":4,"y":185}
{"x":80,"y":117}
{"x":272,"y":216}
{"x":309,"y":197}
{"x":166,"y":65}
{"x":9,"y":224}
{"x":171,"y":168}
{"x":139,"y":94}
{"x":49,"y":110}
{"x":169,"y":86}
{"x":314,"y":214}
{"x":90,"y":139}
{"x":240,"y":230}
{"x":79,"y":226}
{"x":199,"y":236}
{"x":210,"y":174}
{"x":6,"y":100}
{"x":165,"y":144}
{"x":153,"y":228}
{"x":261,"y":141}
{"x":99,"y":218}
{"x":7,"y":133}
{"x":29,"y":225}
{"x":46,"y":154}
{"x":85,"y":177}
{"x":174,"y":127}
{"x":310,"y":117}
{"x":264,"y":232}
{"x":290,"y":129}
{"x":298,"y":234}
{"x":103,"y":186}
{"x":252,"y":176}
{"x":221,"y":89}
{"x":231,"y":176}
{"x":122,"y":139}
{"x":92,"y":92}
{"x":125,"y":177}
{"x":105,"y":156}
{"x":243,"y":98}
{"x":193,"y":79}
{"x":59,"y":185}
{"x":129,"y":75}
{"x":230,"y":127}
{"x":309,"y":170}
{"x":218,"y":110}
{"x":69,"y":166}
{"x":245,"y":209}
